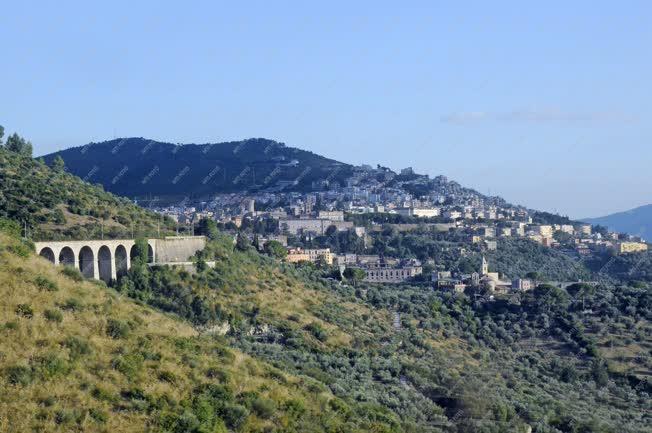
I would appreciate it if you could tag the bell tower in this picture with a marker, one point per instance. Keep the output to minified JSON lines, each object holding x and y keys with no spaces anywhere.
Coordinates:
{"x":485,"y":266}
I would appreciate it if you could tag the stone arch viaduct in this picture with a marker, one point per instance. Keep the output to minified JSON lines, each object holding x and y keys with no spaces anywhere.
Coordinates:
{"x":109,"y":259}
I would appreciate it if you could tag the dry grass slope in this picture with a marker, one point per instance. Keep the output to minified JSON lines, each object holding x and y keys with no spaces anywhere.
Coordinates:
{"x":76,"y":356}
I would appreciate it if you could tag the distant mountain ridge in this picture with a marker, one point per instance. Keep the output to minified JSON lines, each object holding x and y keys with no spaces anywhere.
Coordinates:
{"x":135,"y":167}
{"x":637,"y":221}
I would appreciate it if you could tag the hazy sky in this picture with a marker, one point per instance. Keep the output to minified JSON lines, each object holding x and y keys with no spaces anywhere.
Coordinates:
{"x":548,"y":106}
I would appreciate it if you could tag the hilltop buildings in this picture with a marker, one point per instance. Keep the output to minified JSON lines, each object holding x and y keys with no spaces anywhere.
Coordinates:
{"x":339,"y":222}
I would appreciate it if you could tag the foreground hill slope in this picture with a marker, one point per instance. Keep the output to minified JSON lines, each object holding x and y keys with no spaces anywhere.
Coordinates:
{"x":76,"y":356}
{"x":55,"y":204}
{"x":137,"y":167}
{"x":637,"y":221}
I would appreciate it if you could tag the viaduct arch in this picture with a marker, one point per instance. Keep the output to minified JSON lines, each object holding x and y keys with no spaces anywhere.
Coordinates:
{"x":109,"y":259}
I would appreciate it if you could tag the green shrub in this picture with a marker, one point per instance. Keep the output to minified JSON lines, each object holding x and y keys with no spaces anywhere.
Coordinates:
{"x":338,"y":405}
{"x":72,"y":273}
{"x":149,"y":355}
{"x":20,"y":250}
{"x":10,"y":227}
{"x":129,"y":365}
{"x":65,"y":416}
{"x":227,"y":356}
{"x":72,"y":304}
{"x":19,"y":375}
{"x":25,"y":310}
{"x":217,"y":374}
{"x":11,"y":325}
{"x":78,"y":346}
{"x":53,"y":316}
{"x":317,"y":331}
{"x":49,"y":366}
{"x":102,"y":394}
{"x":295,"y":408}
{"x":264,"y":407}
{"x":235,"y":415}
{"x":98,"y":415}
{"x":137,"y":398}
{"x":117,"y":328}
{"x":44,"y":284}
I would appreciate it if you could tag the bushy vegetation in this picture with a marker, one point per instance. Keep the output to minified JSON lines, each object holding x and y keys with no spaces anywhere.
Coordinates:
{"x":455,"y":363}
{"x":518,"y":257}
{"x":57,"y":205}
{"x":514,"y":258}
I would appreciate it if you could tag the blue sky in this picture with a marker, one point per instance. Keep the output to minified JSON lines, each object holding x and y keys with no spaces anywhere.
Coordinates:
{"x":547,"y":105}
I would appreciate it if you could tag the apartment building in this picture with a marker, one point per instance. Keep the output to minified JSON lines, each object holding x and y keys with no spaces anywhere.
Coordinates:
{"x":630,"y":247}
{"x":542,"y":230}
{"x":296,"y":255}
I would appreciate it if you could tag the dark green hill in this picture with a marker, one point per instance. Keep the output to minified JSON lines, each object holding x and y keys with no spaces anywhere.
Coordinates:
{"x":138,"y":167}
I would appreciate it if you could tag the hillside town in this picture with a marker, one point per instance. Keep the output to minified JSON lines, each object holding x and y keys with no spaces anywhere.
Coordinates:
{"x":377,"y":200}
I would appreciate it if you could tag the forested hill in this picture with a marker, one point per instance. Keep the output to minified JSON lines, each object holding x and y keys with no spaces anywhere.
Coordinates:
{"x":137,"y":167}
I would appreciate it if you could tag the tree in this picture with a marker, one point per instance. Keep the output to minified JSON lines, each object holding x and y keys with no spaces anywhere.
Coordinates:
{"x":320,"y":262}
{"x":599,"y":372}
{"x":548,"y":297}
{"x":581,"y":290}
{"x":208,"y":228}
{"x":2,"y":133}
{"x":535,"y":276}
{"x":18,"y":144}
{"x":331,"y":230}
{"x":241,"y":242}
{"x":354,"y":274}
{"x":200,"y":263}
{"x":562,"y":237}
{"x":141,"y":249}
{"x":275,"y":249}
{"x":58,"y":164}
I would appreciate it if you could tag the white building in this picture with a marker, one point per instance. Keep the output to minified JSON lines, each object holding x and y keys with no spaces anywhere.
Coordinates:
{"x":333,"y":215}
